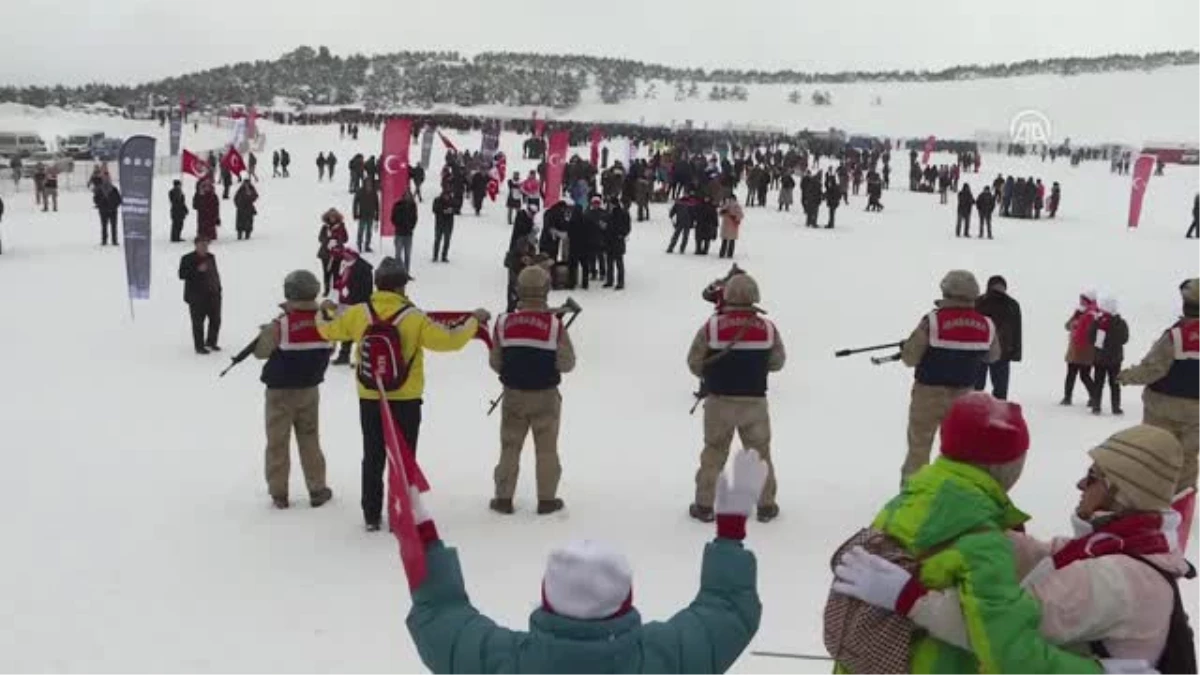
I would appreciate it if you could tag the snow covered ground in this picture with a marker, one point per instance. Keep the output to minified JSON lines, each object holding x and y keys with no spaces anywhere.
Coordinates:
{"x":138,"y":533}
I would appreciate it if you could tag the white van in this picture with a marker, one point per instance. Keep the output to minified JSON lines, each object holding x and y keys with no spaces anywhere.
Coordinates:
{"x":79,"y":145}
{"x":20,"y":144}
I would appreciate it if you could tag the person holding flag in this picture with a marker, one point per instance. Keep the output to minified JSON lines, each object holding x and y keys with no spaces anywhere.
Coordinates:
{"x":392,"y":336}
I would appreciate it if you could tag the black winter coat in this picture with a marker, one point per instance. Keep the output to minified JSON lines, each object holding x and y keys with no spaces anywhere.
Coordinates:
{"x":683,"y":213}
{"x":404,"y":216}
{"x":107,"y":201}
{"x":1006,"y":314}
{"x":521,"y":229}
{"x":619,"y":227}
{"x":199,"y":285}
{"x":965,"y":202}
{"x":707,"y":221}
{"x":443,"y":211}
{"x":366,"y":204}
{"x":179,"y":207}
{"x":1111,"y":350}
{"x":985,"y":203}
{"x":361,"y":283}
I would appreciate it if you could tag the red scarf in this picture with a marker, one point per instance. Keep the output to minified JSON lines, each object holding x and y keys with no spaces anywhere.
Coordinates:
{"x":1150,"y":533}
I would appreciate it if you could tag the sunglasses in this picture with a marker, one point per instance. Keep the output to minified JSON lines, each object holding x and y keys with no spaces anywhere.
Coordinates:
{"x":1094,"y":476}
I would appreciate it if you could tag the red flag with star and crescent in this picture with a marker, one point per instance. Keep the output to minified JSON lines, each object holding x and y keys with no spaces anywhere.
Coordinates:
{"x":393,"y":169}
{"x":193,"y":165}
{"x":233,"y":161}
{"x":403,"y":473}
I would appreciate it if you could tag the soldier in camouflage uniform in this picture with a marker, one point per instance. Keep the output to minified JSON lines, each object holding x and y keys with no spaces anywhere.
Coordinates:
{"x":946,"y":348}
{"x":1171,"y":373}
{"x":732,"y":353}
{"x":530,"y":352}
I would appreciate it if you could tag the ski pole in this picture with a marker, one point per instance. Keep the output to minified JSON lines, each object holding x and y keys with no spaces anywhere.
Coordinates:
{"x":873,"y":348}
{"x":791,"y":655}
{"x":241,"y":356}
{"x":570,"y":306}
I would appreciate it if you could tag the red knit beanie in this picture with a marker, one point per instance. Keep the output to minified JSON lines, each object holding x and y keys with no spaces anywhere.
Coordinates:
{"x":980,"y":429}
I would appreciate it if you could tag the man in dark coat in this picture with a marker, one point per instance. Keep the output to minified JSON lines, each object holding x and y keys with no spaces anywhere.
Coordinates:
{"x":416,"y":174}
{"x":966,"y":203}
{"x":366,"y":212}
{"x":619,"y":227}
{"x":1005,"y":313}
{"x":833,"y":198}
{"x":479,"y":182}
{"x":244,"y":201}
{"x":683,"y":215}
{"x":810,"y":198}
{"x":556,"y":228}
{"x":985,"y":203}
{"x":1109,"y":333}
{"x":597,"y":219}
{"x":404,"y":217}
{"x":579,"y":245}
{"x":707,"y":221}
{"x":354,"y":283}
{"x":202,"y":293}
{"x":107,"y":200}
{"x":226,"y":181}
{"x":179,"y":210}
{"x":443,"y":224}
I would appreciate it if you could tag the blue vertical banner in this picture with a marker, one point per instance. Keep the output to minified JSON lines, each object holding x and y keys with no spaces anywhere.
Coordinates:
{"x":136,"y":163}
{"x":176,"y":135}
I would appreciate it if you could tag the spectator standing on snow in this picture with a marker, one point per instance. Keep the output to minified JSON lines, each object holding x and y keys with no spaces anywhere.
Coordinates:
{"x":275,"y":164}
{"x":732,"y":216}
{"x":365,"y":210}
{"x":244,"y":201}
{"x":202,"y":293}
{"x":416,"y":174}
{"x":683,"y":216}
{"x":444,"y":210}
{"x":619,"y":227}
{"x":1081,"y":355}
{"x":296,"y":359}
{"x":107,"y":200}
{"x":1109,"y":334}
{"x":1005,"y":313}
{"x":285,"y":160}
{"x":179,"y":210}
{"x":404,"y":221}
{"x":966,"y":202}
{"x":50,"y":190}
{"x":353,"y":282}
{"x":985,"y":204}
{"x":330,"y":239}
{"x":320,"y":166}
{"x":330,"y":163}
{"x":1193,"y":231}
{"x":1055,"y":198}
{"x":587,"y":615}
{"x":208,"y":210}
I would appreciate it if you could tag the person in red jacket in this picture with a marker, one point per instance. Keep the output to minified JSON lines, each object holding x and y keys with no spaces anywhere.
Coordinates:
{"x":208,"y":210}
{"x":332,"y":237}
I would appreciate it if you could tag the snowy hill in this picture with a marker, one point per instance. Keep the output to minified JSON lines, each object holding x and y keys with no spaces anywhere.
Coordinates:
{"x":138,"y":533}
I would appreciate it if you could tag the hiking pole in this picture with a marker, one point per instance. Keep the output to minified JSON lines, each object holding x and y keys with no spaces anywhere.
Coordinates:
{"x":569,"y":307}
{"x":880,"y":360}
{"x":241,"y":356}
{"x":873,"y":348}
{"x":791,"y":655}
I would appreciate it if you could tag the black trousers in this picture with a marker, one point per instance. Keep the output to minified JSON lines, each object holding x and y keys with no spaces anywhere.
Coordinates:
{"x":727,"y":246}
{"x":177,"y":229}
{"x":962,"y":225}
{"x":1085,"y":376}
{"x":580,"y":266}
{"x":643,"y":211}
{"x":702,"y":246}
{"x":985,"y":225}
{"x":329,"y":270}
{"x":201,"y":311}
{"x":616,"y":265}
{"x":441,"y":240}
{"x":408,"y":417}
{"x":999,"y":372}
{"x":675,"y":238}
{"x":1102,"y":373}
{"x":1194,"y":229}
{"x":108,"y":223}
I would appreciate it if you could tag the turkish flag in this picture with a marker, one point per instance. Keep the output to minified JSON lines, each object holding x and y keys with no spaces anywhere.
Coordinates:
{"x":402,"y":473}
{"x":195,"y":166}
{"x":930,"y":144}
{"x":393,"y":169}
{"x":556,"y":160}
{"x":446,"y":141}
{"x":452,"y":319}
{"x":233,"y":161}
{"x":1142,"y":166}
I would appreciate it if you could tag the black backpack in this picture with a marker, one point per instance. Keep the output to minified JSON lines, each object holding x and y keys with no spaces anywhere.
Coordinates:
{"x":380,"y":352}
{"x":1179,"y":654}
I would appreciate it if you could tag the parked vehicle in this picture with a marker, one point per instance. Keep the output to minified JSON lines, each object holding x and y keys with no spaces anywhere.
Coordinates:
{"x":106,"y":149}
{"x":79,"y":145}
{"x":49,"y":160}
{"x":20,"y":144}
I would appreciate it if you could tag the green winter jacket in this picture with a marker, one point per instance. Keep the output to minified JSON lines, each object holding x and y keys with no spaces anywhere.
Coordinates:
{"x":961,"y":513}
{"x":707,"y":637}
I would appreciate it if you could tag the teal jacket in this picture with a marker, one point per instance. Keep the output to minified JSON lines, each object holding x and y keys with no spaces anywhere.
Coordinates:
{"x":707,"y":637}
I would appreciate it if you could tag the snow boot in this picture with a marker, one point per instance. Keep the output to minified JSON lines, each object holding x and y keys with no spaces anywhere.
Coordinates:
{"x":318,"y":498}
{"x":1065,"y":401}
{"x":768,"y":513}
{"x":548,"y":506}
{"x":1118,"y":411}
{"x":373,"y":526}
{"x":504,"y":506}
{"x":213,"y":348}
{"x":202,"y":351}
{"x":342,"y":360}
{"x":703,"y":514}
{"x":280,"y":502}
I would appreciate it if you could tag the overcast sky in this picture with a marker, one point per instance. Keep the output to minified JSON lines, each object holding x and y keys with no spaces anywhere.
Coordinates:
{"x":129,"y":41}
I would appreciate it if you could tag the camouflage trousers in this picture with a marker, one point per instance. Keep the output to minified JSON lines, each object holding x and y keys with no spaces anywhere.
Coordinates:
{"x":521,"y":412}
{"x":723,"y":415}
{"x":298,"y":409}
{"x":1178,"y":416}
{"x":926,"y":408}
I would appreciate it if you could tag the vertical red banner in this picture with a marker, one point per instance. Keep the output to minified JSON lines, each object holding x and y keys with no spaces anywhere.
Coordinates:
{"x":930,"y":144}
{"x":251,"y":122}
{"x":539,"y":127}
{"x":1142,"y":167}
{"x":556,"y":161}
{"x":393,"y":170}
{"x":597,"y":136}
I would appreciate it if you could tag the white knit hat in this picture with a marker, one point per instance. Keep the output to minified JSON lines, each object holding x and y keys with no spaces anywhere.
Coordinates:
{"x":1109,"y":304}
{"x":587,"y":580}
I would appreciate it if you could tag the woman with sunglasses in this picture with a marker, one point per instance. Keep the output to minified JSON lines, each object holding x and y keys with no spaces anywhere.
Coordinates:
{"x":1110,"y":591}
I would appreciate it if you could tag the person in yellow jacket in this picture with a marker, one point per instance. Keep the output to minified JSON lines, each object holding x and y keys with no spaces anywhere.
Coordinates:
{"x":414,"y":333}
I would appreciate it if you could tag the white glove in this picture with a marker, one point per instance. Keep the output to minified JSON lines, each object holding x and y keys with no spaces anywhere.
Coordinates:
{"x":870,"y":578}
{"x":1123,"y":666}
{"x":739,"y":495}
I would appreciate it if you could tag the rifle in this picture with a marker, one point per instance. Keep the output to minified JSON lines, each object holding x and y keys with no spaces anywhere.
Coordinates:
{"x":713,"y":358}
{"x":880,"y":360}
{"x":569,"y":307}
{"x":873,"y":348}
{"x":240,"y":356}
